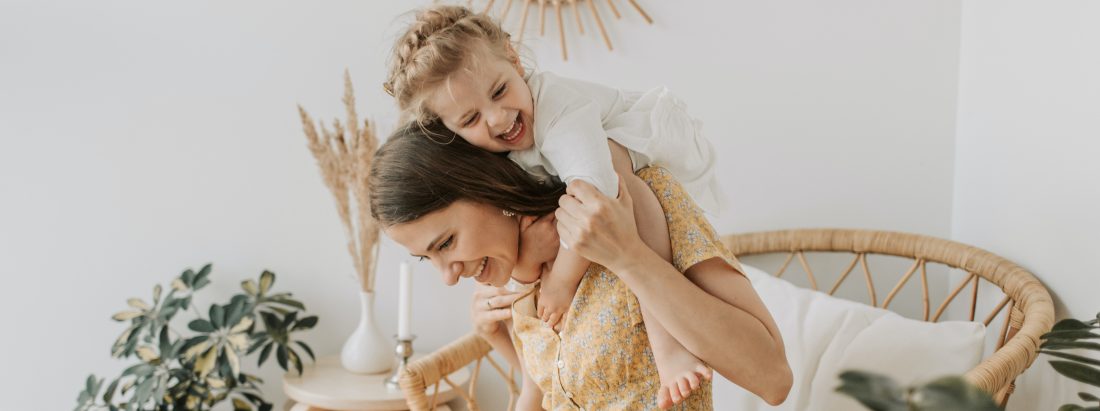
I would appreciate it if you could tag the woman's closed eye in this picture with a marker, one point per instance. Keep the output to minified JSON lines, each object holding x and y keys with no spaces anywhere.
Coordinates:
{"x":500,"y":91}
{"x":442,"y":246}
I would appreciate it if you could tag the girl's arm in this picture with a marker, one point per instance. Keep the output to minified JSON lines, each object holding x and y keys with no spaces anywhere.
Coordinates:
{"x":740,"y":340}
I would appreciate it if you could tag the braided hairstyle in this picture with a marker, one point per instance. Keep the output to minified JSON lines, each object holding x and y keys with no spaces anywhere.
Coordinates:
{"x":437,"y":44}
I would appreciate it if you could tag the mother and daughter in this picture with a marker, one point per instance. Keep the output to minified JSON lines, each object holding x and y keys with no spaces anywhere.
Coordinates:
{"x":585,"y":196}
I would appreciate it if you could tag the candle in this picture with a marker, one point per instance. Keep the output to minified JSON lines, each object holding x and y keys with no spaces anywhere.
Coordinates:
{"x":404,"y":309}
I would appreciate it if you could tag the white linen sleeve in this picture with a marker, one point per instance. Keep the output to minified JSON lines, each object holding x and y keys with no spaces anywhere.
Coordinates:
{"x":575,"y":144}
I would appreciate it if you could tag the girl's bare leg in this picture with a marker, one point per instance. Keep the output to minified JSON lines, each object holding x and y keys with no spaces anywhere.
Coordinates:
{"x":680,"y":371}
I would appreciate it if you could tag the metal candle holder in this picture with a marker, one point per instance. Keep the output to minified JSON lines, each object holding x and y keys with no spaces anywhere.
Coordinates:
{"x":403,"y":352}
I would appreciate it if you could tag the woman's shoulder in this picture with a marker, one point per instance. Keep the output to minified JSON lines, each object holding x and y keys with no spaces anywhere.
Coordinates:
{"x":693,"y":238}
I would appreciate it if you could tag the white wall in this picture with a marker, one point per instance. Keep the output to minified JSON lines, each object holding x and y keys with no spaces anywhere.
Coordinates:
{"x":1027,"y":180}
{"x":137,"y":139}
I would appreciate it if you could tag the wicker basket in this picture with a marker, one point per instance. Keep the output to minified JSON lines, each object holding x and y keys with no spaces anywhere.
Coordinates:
{"x":1030,"y":310}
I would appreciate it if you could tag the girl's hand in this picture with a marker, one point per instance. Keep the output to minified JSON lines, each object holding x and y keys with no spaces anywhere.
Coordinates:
{"x":491,"y":307}
{"x":538,"y":247}
{"x":596,"y":227}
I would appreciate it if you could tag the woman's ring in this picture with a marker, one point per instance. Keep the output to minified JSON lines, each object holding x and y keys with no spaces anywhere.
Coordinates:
{"x":488,"y":302}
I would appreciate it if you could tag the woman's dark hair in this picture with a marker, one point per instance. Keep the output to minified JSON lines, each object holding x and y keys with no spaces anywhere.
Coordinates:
{"x":425,"y":168}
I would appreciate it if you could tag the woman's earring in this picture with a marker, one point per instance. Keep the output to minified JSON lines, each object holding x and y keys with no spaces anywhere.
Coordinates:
{"x":508,"y":213}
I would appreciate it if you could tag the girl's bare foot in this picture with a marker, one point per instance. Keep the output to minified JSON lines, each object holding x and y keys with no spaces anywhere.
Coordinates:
{"x":681,"y":374}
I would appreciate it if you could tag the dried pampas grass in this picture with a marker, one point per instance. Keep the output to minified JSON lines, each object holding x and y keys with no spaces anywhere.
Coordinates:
{"x":344,"y":157}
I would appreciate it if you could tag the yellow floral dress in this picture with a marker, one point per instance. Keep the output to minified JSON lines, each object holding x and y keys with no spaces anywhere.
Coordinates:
{"x":602,"y":360}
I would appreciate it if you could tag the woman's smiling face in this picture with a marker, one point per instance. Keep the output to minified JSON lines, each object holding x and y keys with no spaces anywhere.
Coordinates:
{"x":463,"y":240}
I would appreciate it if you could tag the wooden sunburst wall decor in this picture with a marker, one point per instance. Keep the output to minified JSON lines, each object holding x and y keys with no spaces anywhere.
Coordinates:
{"x":542,"y":6}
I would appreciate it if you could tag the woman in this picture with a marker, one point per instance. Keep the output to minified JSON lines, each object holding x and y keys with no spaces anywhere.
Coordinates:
{"x":476,"y":215}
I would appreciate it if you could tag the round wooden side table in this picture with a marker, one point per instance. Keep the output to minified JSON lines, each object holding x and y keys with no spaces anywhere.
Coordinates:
{"x":326,"y":386}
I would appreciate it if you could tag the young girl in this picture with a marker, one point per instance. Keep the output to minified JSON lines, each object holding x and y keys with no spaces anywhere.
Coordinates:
{"x":460,"y":68}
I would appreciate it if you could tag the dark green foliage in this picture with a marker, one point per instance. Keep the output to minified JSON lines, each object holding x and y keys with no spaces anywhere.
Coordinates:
{"x":196,"y":372}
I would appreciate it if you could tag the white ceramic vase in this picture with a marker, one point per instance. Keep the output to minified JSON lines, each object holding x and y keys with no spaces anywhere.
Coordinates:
{"x":367,"y":350}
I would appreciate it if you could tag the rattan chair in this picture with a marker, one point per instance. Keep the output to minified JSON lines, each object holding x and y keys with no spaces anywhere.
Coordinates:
{"x":1030,"y":310}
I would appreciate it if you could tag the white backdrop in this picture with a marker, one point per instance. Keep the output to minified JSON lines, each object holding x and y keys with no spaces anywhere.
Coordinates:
{"x":1027,"y":184}
{"x":138,"y":139}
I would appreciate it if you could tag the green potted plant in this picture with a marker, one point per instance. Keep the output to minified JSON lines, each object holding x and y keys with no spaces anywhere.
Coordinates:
{"x":199,"y":369}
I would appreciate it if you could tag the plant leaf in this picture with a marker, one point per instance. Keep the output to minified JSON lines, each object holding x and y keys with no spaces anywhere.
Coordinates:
{"x":1071,"y":357}
{"x":280,"y":354}
{"x":1087,"y":397}
{"x":120,"y":342}
{"x":90,"y":385}
{"x":237,"y":309}
{"x":147,"y":354}
{"x":194,"y":350}
{"x":241,"y":405}
{"x":138,"y":370}
{"x":877,"y":392}
{"x":294,"y":359}
{"x":271,"y":323}
{"x":241,"y":326}
{"x":1079,"y":372}
{"x":249,"y":287}
{"x":1061,"y":345}
{"x":204,"y":272}
{"x":199,"y":284}
{"x":258,"y":340}
{"x":144,"y":390}
{"x":952,"y":394}
{"x":263,"y":354}
{"x":200,"y":325}
{"x":234,"y":362}
{"x":266,"y":280}
{"x":289,"y":319}
{"x":126,"y":315}
{"x":1070,"y":324}
{"x":217,"y":316}
{"x":110,"y":393}
{"x":165,"y":342}
{"x":205,"y":364}
{"x":156,"y":294}
{"x":308,"y":350}
{"x":179,"y":285}
{"x":289,"y":302}
{"x":188,"y":276}
{"x":305,"y":323}
{"x":138,"y":303}
{"x":1069,"y":335}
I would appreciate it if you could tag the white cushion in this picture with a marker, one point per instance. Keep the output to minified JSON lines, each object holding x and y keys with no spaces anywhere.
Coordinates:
{"x":824,"y":336}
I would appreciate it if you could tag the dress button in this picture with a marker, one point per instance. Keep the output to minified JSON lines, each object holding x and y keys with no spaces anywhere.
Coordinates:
{"x":561,"y":364}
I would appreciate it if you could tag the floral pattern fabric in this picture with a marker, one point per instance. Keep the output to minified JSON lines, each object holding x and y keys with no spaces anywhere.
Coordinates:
{"x":601,"y":359}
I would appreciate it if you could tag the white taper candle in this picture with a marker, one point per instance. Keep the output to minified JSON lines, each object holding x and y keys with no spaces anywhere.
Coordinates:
{"x":404,"y":310}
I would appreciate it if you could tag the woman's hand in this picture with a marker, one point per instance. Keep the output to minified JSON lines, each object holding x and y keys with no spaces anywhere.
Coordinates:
{"x":598,"y":228}
{"x":490,"y":308}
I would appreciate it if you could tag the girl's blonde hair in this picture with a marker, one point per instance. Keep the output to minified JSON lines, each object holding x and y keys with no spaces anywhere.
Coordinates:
{"x":437,"y":44}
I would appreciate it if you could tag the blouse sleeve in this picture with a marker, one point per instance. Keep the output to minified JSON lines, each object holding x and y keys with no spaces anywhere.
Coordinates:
{"x":693,"y":238}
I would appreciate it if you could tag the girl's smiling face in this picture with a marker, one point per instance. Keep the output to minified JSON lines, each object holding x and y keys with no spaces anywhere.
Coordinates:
{"x":487,"y":103}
